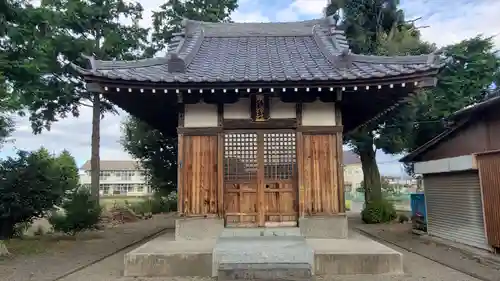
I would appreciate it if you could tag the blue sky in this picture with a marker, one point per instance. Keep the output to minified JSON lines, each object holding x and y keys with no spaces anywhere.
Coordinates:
{"x":446,"y":22}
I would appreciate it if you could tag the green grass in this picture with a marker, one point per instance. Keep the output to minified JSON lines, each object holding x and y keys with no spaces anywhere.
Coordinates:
{"x":28,"y":246}
{"x":110,"y":201}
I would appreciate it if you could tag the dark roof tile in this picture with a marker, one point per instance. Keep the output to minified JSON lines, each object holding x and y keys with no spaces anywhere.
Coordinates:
{"x":252,"y":52}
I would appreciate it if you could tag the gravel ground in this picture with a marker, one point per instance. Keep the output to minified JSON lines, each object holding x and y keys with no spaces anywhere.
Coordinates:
{"x":400,"y":234}
{"x":416,"y":268}
{"x":60,"y":260}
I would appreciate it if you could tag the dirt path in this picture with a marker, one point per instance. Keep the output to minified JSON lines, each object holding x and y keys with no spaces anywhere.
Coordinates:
{"x":400,"y":235}
{"x":65,"y":256}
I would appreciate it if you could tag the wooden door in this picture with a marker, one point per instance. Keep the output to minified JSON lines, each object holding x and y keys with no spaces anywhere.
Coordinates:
{"x":280,"y":179}
{"x":240,"y":179}
{"x":260,"y":179}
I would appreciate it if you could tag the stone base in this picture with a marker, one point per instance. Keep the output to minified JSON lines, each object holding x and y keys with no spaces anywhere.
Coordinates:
{"x":324,"y":227}
{"x":358,"y":255}
{"x":264,"y":271}
{"x":262,"y":254}
{"x":166,"y":258}
{"x":198,"y":228}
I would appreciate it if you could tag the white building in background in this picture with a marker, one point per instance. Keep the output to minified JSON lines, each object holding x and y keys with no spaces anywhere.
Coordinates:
{"x":118,"y":178}
{"x":353,"y":172}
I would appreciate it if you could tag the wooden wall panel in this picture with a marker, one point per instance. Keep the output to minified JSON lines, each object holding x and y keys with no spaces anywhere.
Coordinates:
{"x":489,"y":167}
{"x":199,"y":175}
{"x":320,"y":192}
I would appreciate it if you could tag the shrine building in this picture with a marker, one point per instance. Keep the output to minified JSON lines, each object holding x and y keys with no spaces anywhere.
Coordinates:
{"x":260,"y":110}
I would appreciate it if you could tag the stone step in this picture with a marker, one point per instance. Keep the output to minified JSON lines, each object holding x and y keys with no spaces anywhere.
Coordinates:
{"x":250,"y":251}
{"x":264,"y":271}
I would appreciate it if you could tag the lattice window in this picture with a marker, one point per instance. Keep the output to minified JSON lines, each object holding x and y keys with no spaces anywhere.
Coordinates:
{"x":279,"y":156}
{"x":240,"y":157}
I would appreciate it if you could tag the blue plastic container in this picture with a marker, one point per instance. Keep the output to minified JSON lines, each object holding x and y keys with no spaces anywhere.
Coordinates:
{"x":418,"y":204}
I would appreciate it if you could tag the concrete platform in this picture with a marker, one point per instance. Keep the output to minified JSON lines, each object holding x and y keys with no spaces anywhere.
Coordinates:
{"x":262,"y":258}
{"x":354,"y":256}
{"x":167,"y":258}
{"x":258,"y":254}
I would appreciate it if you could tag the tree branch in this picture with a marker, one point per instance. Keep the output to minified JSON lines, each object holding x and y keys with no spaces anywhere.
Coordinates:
{"x":84,"y":104}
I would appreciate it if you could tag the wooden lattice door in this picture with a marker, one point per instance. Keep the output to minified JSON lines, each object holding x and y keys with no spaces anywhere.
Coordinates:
{"x":240,"y":179}
{"x":280,"y":172}
{"x":260,"y":179}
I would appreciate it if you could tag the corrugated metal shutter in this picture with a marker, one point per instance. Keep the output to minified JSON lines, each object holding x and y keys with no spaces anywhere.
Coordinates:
{"x":454,"y":207}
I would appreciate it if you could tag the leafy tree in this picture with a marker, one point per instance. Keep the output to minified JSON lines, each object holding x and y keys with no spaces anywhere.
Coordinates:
{"x":65,"y":30}
{"x":157,"y":151}
{"x":378,"y":27}
{"x":31,"y":185}
{"x":471,"y":66}
{"x":11,"y":18}
{"x":168,"y":20}
{"x":69,"y":170}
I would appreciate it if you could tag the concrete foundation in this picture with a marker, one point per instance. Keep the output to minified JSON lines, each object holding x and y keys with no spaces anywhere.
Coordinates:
{"x":264,"y":271}
{"x":324,"y":227}
{"x":287,"y":255}
{"x":164,"y":257}
{"x":358,"y":255}
{"x":198,"y":228}
{"x":262,"y":253}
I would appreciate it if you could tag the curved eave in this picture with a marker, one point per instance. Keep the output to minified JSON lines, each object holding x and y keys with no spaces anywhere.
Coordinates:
{"x":91,"y":76}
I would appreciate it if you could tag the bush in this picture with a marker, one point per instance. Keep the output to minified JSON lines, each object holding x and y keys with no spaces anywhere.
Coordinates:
{"x":403,"y":218}
{"x":348,"y":205}
{"x":142,"y":207}
{"x":378,"y":212}
{"x":82,"y":212}
{"x":20,"y":229}
{"x":160,"y":204}
{"x":32,"y":183}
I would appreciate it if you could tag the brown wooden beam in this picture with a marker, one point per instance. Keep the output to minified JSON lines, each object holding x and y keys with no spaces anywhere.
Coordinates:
{"x":319,"y":130}
{"x":205,"y":131}
{"x":237,"y":124}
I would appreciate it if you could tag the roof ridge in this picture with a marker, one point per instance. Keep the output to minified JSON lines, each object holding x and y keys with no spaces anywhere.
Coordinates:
{"x":430,"y":59}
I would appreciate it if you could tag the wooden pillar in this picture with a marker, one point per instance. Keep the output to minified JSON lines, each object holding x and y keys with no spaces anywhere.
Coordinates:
{"x":198,"y":169}
{"x":220,"y":161}
{"x":340,"y":158}
{"x":300,"y":163}
{"x":180,"y":159}
{"x":319,"y":160}
{"x":320,"y":188}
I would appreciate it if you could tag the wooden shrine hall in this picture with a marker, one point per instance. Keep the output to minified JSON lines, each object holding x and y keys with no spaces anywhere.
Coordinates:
{"x":260,"y":110}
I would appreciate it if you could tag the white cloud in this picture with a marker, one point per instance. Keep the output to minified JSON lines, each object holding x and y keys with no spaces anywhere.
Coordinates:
{"x":255,"y":16}
{"x":73,"y":134}
{"x":465,"y":19}
{"x":302,"y":8}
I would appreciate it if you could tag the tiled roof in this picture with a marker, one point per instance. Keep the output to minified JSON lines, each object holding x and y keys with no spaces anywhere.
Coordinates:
{"x":350,"y":158}
{"x":114,"y":165}
{"x":310,"y":50}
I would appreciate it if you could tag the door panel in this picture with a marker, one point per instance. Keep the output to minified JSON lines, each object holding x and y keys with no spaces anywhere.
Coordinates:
{"x":240,"y":179}
{"x":260,"y":179}
{"x":280,"y":170}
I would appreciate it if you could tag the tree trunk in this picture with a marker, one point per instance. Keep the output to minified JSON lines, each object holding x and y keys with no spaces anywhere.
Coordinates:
{"x":95,"y":143}
{"x":3,"y":249}
{"x":371,"y":176}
